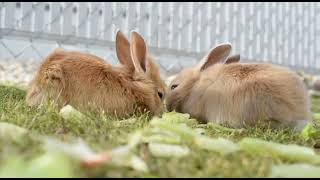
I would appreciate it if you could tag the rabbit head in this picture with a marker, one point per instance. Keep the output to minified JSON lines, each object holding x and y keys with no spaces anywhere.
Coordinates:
{"x":180,"y":87}
{"x":139,"y":64}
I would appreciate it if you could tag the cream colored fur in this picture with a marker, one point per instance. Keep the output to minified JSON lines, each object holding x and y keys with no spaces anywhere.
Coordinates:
{"x":239,"y":94}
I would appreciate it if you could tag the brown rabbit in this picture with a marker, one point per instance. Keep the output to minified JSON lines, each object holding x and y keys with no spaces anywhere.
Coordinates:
{"x":239,"y":94}
{"x":87,"y":82}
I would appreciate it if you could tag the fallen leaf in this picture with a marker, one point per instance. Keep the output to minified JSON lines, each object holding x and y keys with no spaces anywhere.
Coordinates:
{"x":78,"y":150}
{"x":68,"y":112}
{"x":309,"y":131}
{"x":48,"y":165}
{"x":290,"y":152}
{"x":181,"y":129}
{"x":295,"y":171}
{"x":220,"y":145}
{"x":168,"y":150}
{"x":12,"y":131}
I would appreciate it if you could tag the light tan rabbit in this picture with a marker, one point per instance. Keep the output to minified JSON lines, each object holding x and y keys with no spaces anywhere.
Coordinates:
{"x":87,"y":82}
{"x":233,"y":59}
{"x":239,"y":94}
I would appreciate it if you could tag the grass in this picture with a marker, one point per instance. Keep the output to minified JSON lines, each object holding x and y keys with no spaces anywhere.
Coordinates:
{"x":103,"y":132}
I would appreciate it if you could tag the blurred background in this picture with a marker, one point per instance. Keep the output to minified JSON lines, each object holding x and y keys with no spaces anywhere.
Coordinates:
{"x":178,"y":34}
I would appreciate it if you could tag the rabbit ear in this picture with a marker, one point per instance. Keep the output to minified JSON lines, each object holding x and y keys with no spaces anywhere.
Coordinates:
{"x":219,"y":54}
{"x":233,"y":59}
{"x":123,"y":49}
{"x":138,"y":51}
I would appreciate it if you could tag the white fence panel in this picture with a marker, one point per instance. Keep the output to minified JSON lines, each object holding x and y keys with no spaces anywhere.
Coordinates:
{"x":177,"y":32}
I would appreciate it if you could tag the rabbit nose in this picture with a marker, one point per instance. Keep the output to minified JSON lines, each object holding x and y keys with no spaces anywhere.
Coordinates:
{"x":169,"y":107}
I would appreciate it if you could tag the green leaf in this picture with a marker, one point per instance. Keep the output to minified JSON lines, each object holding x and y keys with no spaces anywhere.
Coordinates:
{"x":13,"y":167}
{"x":159,"y":138}
{"x":11,"y":131}
{"x":316,"y":116}
{"x":48,"y":165}
{"x":174,"y":117}
{"x":295,"y":171}
{"x":182,"y":129}
{"x":290,"y":152}
{"x":168,"y":150}
{"x":309,"y":131}
{"x":79,"y":150}
{"x":135,"y":138}
{"x":220,"y":145}
{"x":138,"y":164}
{"x":68,"y":112}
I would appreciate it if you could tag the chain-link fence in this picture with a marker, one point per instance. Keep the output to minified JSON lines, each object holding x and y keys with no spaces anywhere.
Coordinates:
{"x":177,"y":33}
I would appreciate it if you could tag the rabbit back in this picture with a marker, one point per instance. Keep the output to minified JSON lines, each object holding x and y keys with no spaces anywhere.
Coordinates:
{"x":81,"y":80}
{"x":242,"y":94}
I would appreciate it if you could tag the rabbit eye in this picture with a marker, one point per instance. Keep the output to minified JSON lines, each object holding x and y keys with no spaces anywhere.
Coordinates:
{"x":160,"y":95}
{"x":174,"y":86}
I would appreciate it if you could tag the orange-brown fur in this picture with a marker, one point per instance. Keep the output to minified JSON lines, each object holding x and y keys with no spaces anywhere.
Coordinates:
{"x":240,"y":94}
{"x":87,"y":82}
